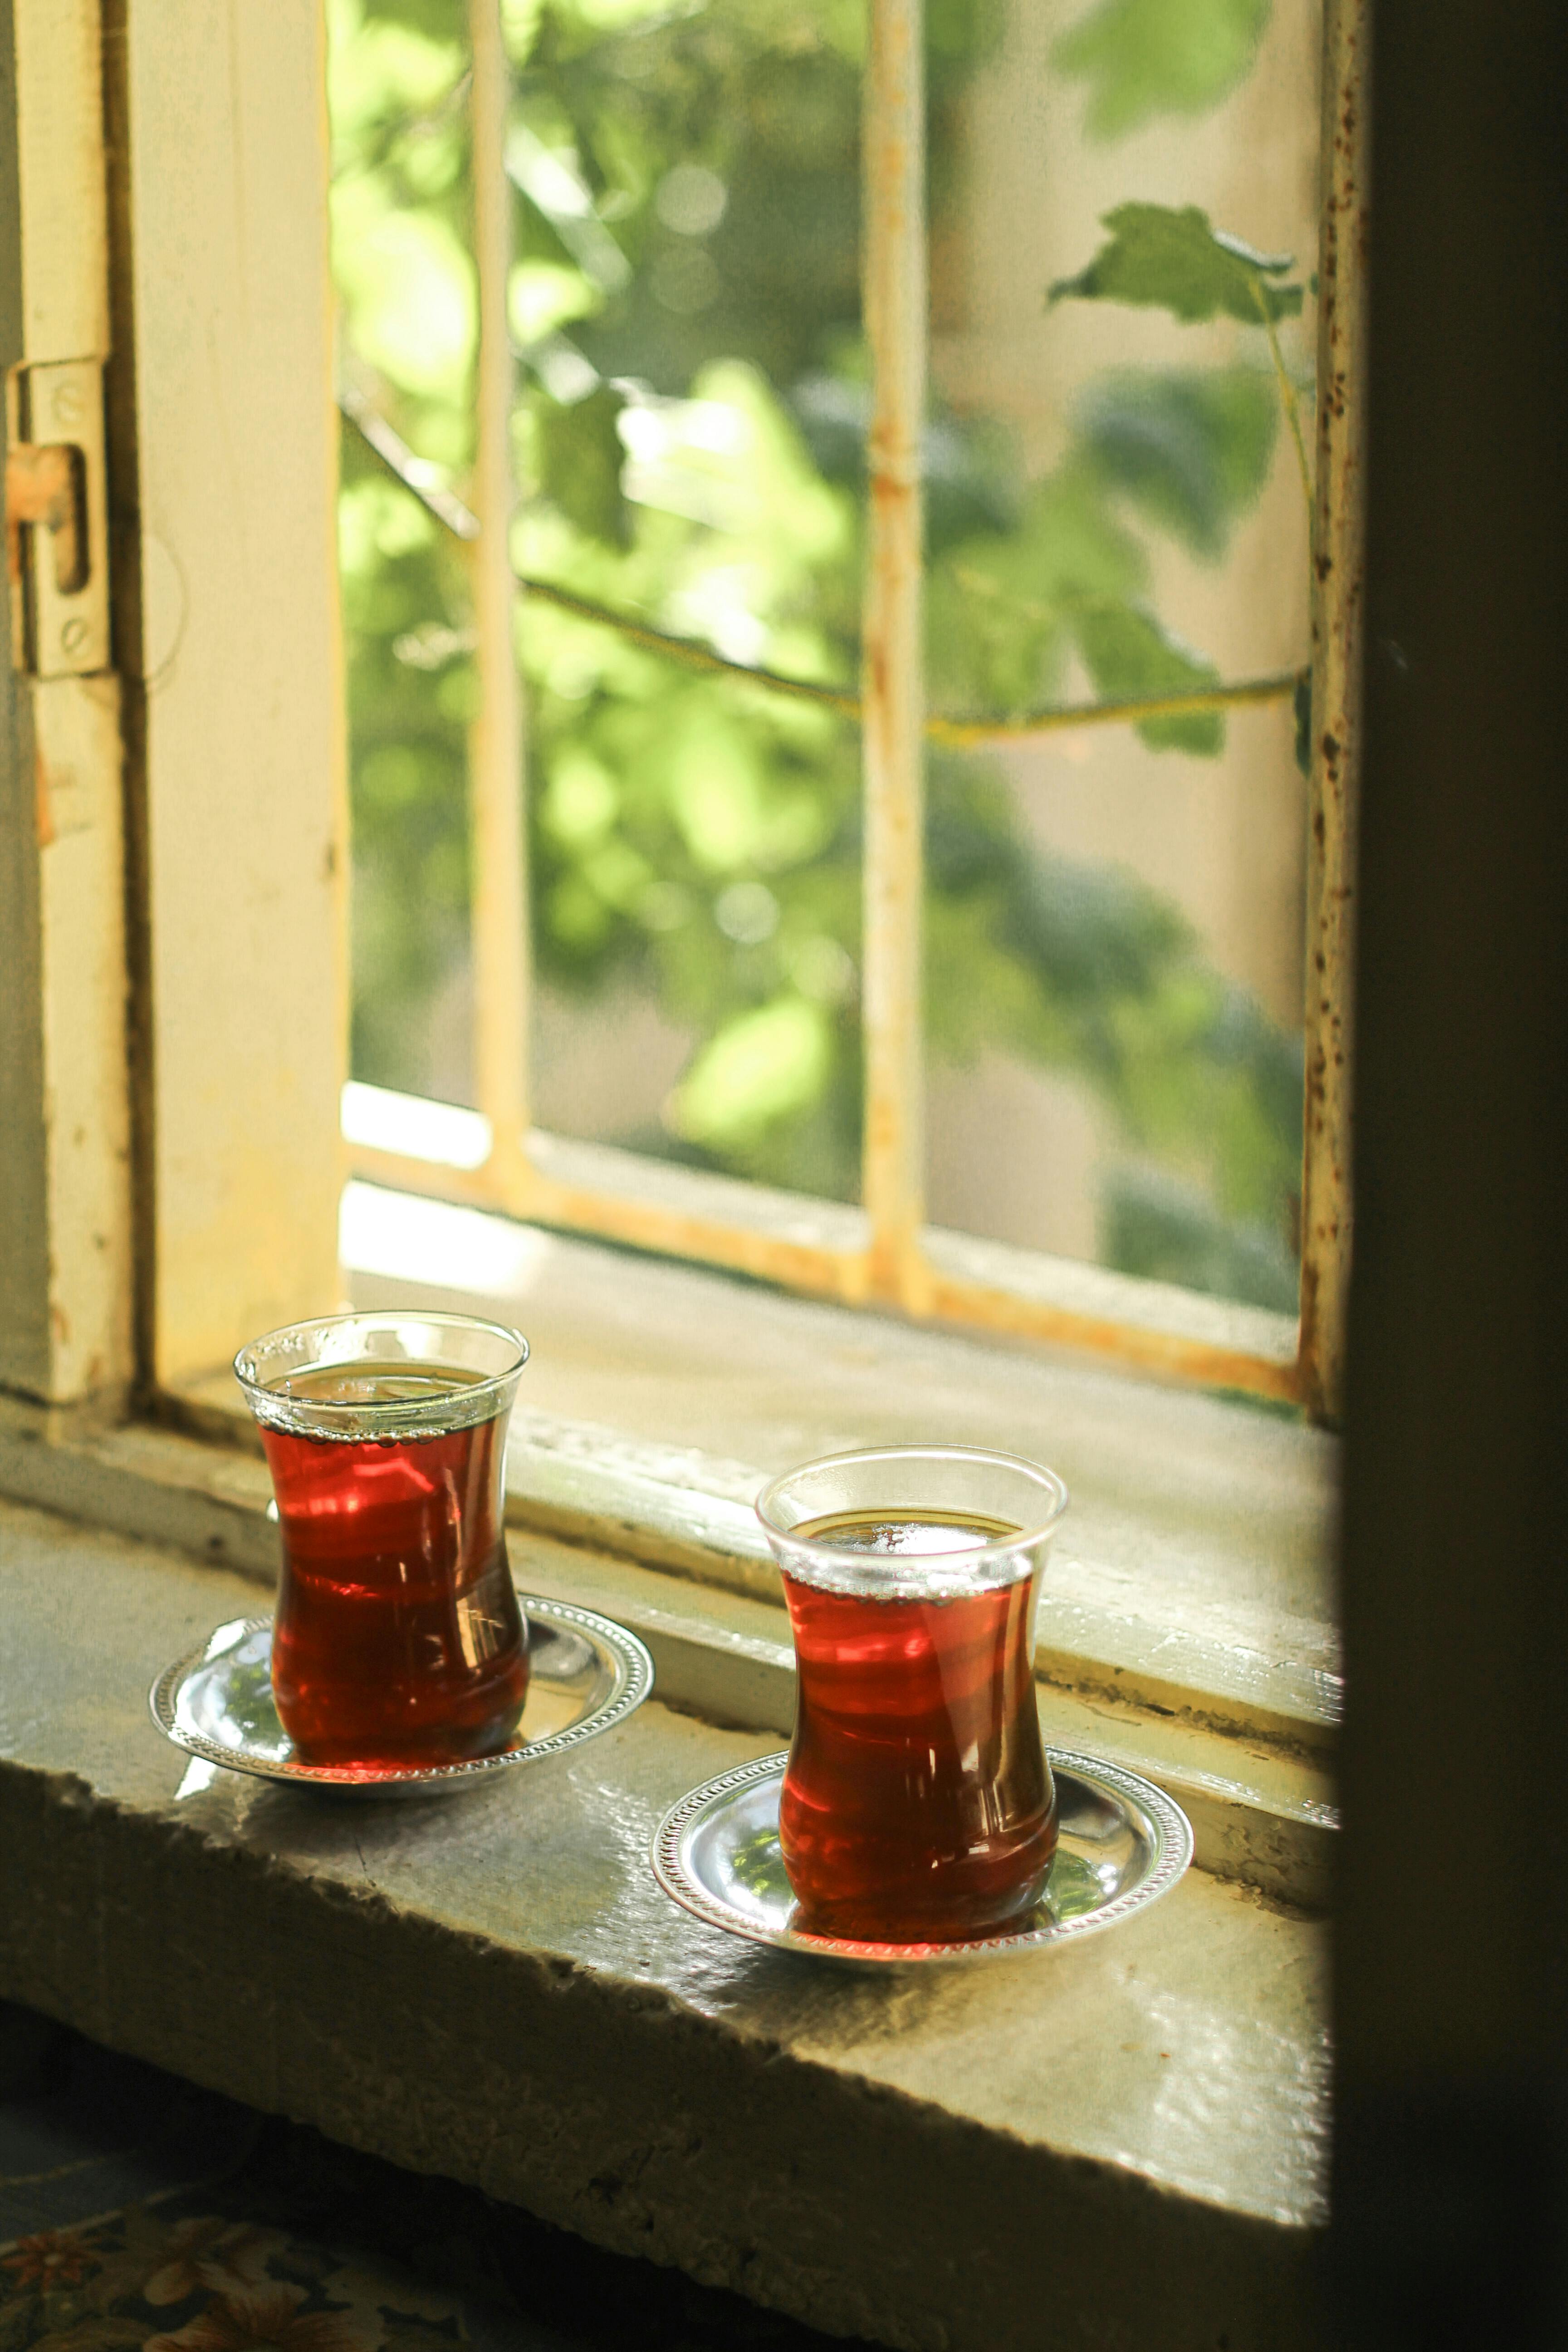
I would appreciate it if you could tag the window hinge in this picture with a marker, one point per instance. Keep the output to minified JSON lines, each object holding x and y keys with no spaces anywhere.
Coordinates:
{"x":56,"y":522}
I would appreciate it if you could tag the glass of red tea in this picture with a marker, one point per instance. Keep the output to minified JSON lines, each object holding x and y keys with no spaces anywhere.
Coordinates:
{"x":397,"y":1639}
{"x":918,"y":1805}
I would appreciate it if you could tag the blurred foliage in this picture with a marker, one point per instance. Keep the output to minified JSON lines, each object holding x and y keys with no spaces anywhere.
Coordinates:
{"x":1155,"y":1225}
{"x":690,"y":450}
{"x":1190,"y":451}
{"x":1178,"y":261}
{"x":1148,"y":57}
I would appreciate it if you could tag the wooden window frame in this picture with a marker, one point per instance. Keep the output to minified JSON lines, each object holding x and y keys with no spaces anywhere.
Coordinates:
{"x":174,"y":1149}
{"x":885,"y":1254}
{"x":175,"y":1022}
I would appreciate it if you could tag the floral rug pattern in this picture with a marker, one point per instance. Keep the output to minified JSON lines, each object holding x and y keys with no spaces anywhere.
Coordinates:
{"x":139,"y":2214}
{"x":167,"y":2280}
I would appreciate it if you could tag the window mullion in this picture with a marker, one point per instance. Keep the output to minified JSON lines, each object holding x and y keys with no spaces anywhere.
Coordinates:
{"x":1337,"y":604}
{"x":496,"y":751}
{"x":894,"y":268}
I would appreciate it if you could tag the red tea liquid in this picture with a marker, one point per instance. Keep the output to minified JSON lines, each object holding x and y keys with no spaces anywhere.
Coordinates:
{"x":918,"y":1805}
{"x":397,"y":1639}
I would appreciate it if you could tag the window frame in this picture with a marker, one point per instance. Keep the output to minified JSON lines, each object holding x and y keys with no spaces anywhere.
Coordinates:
{"x":174,"y":1038}
{"x":885,"y":1254}
{"x":214,"y":1129}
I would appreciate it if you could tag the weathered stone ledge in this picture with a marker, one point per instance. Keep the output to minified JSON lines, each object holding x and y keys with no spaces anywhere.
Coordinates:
{"x":1115,"y":2144}
{"x":1247,"y":1769}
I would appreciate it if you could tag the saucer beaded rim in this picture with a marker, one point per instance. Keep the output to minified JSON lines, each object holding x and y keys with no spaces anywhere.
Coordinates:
{"x":1172,"y":1840}
{"x":634,"y":1678}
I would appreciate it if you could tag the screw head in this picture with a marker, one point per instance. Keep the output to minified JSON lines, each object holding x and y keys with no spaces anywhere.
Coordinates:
{"x":66,"y":403}
{"x":74,"y":635}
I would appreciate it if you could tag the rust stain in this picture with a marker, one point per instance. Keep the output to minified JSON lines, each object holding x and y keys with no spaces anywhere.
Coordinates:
{"x":41,"y":495}
{"x":43,"y":807}
{"x":894,"y":294}
{"x":892,"y":1272}
{"x":1334,"y":783}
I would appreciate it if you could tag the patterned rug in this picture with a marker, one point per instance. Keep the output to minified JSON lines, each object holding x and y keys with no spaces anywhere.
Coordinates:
{"x":138,"y":2214}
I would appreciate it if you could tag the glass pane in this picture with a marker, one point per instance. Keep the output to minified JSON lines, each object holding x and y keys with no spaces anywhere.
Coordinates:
{"x":402,"y":246}
{"x":685,"y":305}
{"x":1115,"y":508}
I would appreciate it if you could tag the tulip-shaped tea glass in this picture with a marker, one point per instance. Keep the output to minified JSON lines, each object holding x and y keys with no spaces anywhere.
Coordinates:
{"x":397,"y":1640}
{"x":917,"y":1806}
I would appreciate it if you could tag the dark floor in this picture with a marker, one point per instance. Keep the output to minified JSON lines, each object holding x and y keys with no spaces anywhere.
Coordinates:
{"x":138,"y":2214}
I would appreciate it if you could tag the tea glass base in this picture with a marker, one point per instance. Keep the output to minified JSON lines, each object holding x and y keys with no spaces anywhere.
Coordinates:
{"x":1123,"y":1844}
{"x":586,"y":1674}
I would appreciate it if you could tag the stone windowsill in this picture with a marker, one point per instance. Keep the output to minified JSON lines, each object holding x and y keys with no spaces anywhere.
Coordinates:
{"x":1186,"y":1625}
{"x":495,"y":1988}
{"x":1124,"y":2138}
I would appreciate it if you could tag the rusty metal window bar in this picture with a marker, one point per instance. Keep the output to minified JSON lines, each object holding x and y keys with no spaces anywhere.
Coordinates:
{"x":883,"y":1254}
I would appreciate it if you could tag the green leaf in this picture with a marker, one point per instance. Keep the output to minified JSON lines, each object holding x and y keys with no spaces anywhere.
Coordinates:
{"x":1144,"y":58}
{"x":997,"y":607}
{"x":768,"y":1063}
{"x":1128,"y":653}
{"x":580,"y":459}
{"x":1178,"y":261}
{"x":1190,"y":452}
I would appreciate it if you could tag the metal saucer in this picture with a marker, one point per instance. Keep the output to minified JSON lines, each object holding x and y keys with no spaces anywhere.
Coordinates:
{"x":1122,"y":1845}
{"x":586,"y":1674}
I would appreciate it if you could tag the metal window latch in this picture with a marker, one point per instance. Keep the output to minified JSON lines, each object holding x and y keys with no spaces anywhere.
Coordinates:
{"x":56,"y":521}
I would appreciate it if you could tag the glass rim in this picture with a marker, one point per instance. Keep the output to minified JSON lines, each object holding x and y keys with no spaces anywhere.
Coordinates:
{"x":476,"y":1399}
{"x":972,"y":1555}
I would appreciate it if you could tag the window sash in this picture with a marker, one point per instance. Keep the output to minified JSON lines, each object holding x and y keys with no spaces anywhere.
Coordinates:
{"x":885,"y":1254}
{"x":225,"y":645}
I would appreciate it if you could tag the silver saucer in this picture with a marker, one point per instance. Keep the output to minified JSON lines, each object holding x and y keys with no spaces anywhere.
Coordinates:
{"x":1122,"y":1845}
{"x":586,"y":1674}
